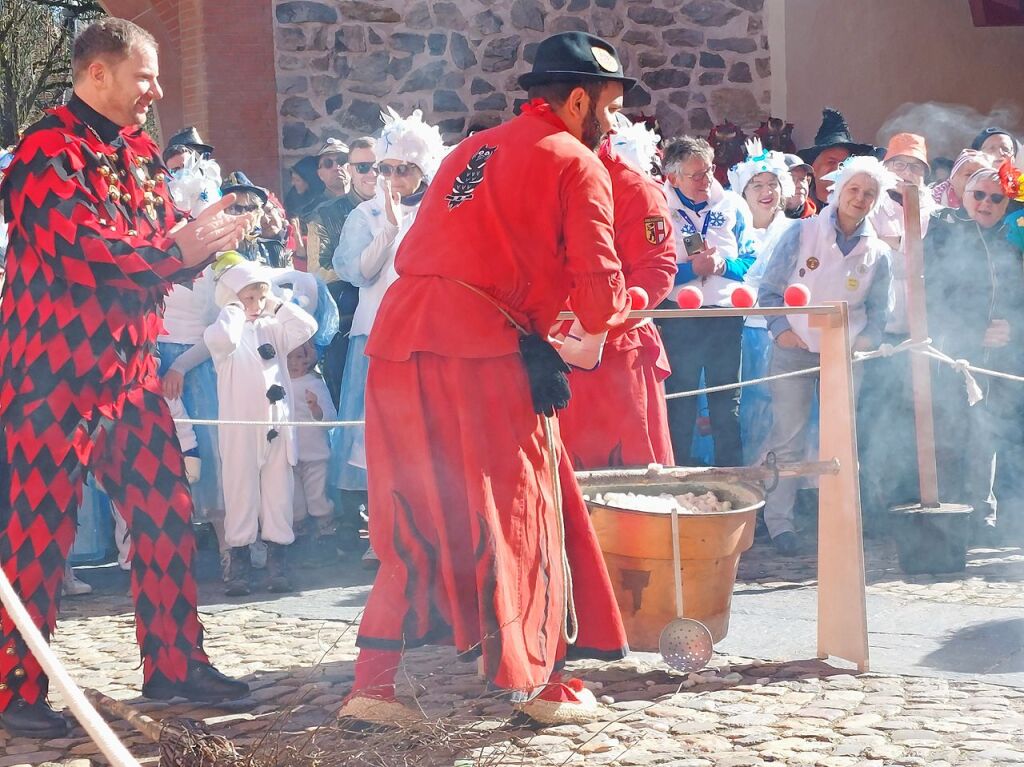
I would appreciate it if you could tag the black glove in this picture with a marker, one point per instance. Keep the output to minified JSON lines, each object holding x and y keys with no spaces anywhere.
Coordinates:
{"x":549,"y":384}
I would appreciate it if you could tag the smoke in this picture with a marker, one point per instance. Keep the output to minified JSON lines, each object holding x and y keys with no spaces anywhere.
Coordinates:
{"x":949,"y":128}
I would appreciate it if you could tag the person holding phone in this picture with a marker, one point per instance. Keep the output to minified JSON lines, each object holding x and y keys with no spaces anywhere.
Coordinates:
{"x":714,"y":252}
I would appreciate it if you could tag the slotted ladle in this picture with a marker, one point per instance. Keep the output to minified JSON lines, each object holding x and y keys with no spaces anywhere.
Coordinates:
{"x":685,"y":643}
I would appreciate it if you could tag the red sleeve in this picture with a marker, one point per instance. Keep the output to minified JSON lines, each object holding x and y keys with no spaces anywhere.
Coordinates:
{"x":59,"y":212}
{"x":598,"y":292}
{"x":644,"y":240}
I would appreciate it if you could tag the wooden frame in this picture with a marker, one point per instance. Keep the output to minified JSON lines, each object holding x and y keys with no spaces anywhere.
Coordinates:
{"x":842,"y":598}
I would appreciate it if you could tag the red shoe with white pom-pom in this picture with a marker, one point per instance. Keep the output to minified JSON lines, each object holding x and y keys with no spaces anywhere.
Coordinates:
{"x":563,"y":701}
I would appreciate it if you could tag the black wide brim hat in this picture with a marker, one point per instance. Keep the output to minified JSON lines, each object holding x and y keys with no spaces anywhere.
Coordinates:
{"x":574,"y":57}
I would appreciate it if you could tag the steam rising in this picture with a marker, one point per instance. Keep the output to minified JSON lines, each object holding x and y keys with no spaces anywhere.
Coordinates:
{"x":948,"y":128}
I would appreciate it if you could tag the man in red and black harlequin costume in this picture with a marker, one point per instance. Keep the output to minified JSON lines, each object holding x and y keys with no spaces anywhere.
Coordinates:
{"x":618,"y":415}
{"x":462,"y":473}
{"x":95,"y":244}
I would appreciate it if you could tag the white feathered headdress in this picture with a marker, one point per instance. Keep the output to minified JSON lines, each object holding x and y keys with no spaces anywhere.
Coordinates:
{"x":409,"y":139}
{"x":759,"y":161}
{"x":197,"y":185}
{"x":634,"y":143}
{"x":868,"y":165}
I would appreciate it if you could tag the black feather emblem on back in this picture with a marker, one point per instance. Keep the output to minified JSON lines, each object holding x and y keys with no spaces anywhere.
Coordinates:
{"x":467,"y":181}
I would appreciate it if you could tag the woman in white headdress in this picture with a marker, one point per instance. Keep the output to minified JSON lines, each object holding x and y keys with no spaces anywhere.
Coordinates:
{"x":764,"y":182}
{"x":408,"y":152}
{"x":838,"y":257}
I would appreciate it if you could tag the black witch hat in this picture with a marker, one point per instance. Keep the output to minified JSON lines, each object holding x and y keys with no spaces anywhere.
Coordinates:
{"x":834,"y":132}
{"x":190,"y":137}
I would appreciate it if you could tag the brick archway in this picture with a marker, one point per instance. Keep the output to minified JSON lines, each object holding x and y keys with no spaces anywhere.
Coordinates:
{"x":217,"y":72}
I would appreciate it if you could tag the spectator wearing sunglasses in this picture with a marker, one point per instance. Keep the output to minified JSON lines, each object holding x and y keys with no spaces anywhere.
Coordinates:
{"x":408,"y":153}
{"x":345,"y":189}
{"x":362,"y":168}
{"x":265,"y":240}
{"x":975,"y":291}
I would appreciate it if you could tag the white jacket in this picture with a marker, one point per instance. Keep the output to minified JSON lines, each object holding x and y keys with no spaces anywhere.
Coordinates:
{"x":365,"y":256}
{"x":244,"y":379}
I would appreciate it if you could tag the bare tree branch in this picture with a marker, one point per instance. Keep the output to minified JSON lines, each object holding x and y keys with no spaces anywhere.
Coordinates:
{"x":35,"y":57}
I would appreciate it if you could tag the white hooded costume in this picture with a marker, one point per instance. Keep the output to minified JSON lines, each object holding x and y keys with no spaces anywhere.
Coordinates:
{"x":253,"y":385}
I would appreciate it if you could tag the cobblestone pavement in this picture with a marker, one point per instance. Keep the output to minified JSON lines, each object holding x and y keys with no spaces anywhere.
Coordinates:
{"x":993,"y":576}
{"x":739,"y":713}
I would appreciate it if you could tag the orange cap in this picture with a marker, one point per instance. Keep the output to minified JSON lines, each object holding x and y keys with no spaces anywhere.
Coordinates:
{"x":908,"y":145}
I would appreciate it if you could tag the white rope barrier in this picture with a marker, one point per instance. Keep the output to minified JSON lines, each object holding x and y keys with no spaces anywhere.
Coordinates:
{"x":885,"y":350}
{"x":974,"y":393}
{"x":228,"y":422}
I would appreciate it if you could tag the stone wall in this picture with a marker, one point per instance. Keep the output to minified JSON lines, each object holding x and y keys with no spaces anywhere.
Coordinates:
{"x":338,"y":61}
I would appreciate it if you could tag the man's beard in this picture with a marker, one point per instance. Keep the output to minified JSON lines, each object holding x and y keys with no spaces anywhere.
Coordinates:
{"x":592,"y":130}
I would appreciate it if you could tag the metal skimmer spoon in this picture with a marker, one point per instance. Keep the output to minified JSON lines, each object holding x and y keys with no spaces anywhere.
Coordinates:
{"x":685,"y":644}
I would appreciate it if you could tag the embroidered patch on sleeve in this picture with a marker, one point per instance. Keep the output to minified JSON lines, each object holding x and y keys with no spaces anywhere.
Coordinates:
{"x":655,"y":229}
{"x":467,"y":181}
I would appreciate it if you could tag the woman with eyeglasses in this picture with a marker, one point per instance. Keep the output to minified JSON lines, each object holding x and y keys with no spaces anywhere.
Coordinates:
{"x":408,"y":152}
{"x":975,"y":291}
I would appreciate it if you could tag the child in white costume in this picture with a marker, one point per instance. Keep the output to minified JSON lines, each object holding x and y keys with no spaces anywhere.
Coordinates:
{"x":311,"y":401}
{"x":250,"y":342}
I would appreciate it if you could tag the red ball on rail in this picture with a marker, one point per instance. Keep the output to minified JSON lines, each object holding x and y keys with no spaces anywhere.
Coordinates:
{"x":797,"y":294}
{"x":690,"y":297}
{"x":639,"y":297}
{"x":743,"y":297}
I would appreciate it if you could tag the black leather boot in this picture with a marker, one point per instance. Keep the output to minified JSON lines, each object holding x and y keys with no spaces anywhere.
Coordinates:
{"x":204,"y":684}
{"x":277,"y":568}
{"x":236,"y":583}
{"x":33,"y":720}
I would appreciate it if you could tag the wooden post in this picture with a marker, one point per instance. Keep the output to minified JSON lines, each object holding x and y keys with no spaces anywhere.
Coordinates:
{"x":920,"y":369}
{"x":842,"y":602}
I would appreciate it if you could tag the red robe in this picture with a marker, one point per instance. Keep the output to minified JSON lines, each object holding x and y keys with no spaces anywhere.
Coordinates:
{"x":462,"y":510}
{"x":618,"y":415}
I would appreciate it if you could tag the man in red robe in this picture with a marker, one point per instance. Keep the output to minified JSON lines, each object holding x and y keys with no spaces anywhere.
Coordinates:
{"x":618,"y":415}
{"x":95,"y":245}
{"x":478,"y":521}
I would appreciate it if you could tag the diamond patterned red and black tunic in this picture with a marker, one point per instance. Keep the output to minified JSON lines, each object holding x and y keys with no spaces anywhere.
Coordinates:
{"x":88,"y":265}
